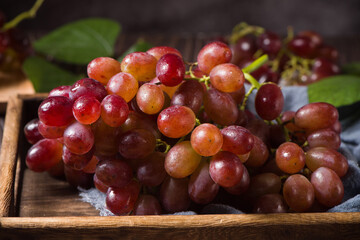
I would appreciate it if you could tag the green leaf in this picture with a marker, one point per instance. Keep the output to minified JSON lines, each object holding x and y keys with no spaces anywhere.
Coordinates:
{"x":81,"y":41}
{"x":46,"y":76}
{"x":340,"y":90}
{"x":351,"y":68}
{"x":139,"y":46}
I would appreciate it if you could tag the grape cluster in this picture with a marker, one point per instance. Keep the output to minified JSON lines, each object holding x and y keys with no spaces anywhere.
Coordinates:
{"x":15,"y":46}
{"x":296,"y":60}
{"x":158,"y":135}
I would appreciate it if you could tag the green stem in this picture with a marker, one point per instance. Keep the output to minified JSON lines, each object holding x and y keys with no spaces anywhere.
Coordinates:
{"x":160,"y":142}
{"x":242,"y":108}
{"x":28,"y":14}
{"x":252,"y":80}
{"x":197,"y":122}
{"x":286,"y":131}
{"x":256,"y":64}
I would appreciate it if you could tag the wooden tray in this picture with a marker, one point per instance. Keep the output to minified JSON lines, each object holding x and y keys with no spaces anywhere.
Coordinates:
{"x":35,"y":206}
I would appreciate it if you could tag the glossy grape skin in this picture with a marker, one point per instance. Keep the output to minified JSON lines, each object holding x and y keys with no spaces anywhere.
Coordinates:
{"x":174,"y":195}
{"x":259,"y":128}
{"x":328,"y":187}
{"x":244,"y":48}
{"x":123,"y":85}
{"x":298,"y":193}
{"x":170,"y":70}
{"x":160,"y":51}
{"x":206,"y":139}
{"x":202,"y":189}
{"x":269,"y":42}
{"x":31,"y":131}
{"x":78,"y":178}
{"x":169,"y":90}
{"x":90,"y":167}
{"x":213,"y":54}
{"x":220,"y":107}
{"x":150,"y":98}
{"x":43,"y":155}
{"x":141,"y":65}
{"x":75,"y":161}
{"x":176,"y":121}
{"x":114,"y":110}
{"x":237,"y":139}
{"x":264,"y":183}
{"x":326,"y":157}
{"x":151,"y":171}
{"x":302,"y":46}
{"x":78,"y":138}
{"x":313,"y":36}
{"x":106,"y":138}
{"x":189,"y":94}
{"x":315,"y":116}
{"x":56,"y":111}
{"x":51,"y":132}
{"x":322,"y":68}
{"x":269,"y":101}
{"x":290,"y":158}
{"x":86,"y":110}
{"x":258,"y":154}
{"x":227,"y":77}
{"x":328,"y":52}
{"x":226,"y":169}
{"x":137,"y":143}
{"x":87,"y":87}
{"x":270,"y":203}
{"x":103,"y":68}
{"x":63,"y":91}
{"x":138,"y":120}
{"x":100,"y":185}
{"x":114,"y":173}
{"x":324,"y":138}
{"x":147,"y":205}
{"x":181,"y":160}
{"x":242,"y":186}
{"x":121,"y":201}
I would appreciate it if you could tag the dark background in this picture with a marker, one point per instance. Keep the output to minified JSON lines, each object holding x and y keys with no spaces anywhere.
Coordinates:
{"x":328,"y":17}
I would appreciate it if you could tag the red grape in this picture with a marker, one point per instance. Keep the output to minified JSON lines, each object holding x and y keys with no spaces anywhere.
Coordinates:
{"x":86,"y":110}
{"x":78,"y":138}
{"x":290,"y":158}
{"x":237,"y":140}
{"x":103,"y":68}
{"x":137,"y":143}
{"x":174,"y":196}
{"x":56,"y":111}
{"x":189,"y":94}
{"x":270,"y":203}
{"x":269,"y":42}
{"x":170,"y":70}
{"x":87,"y":87}
{"x":123,"y":85}
{"x":114,"y":173}
{"x":31,"y":131}
{"x":227,"y":77}
{"x":206,"y":139}
{"x":114,"y":110}
{"x":213,"y":54}
{"x":150,"y":98}
{"x":269,"y":101}
{"x":121,"y":201}
{"x":147,"y":205}
{"x":160,"y":51}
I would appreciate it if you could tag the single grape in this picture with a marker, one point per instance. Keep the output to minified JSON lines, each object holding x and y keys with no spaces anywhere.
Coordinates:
{"x":151,"y":171}
{"x":75,"y":161}
{"x":176,"y":121}
{"x":242,"y":186}
{"x":114,"y":173}
{"x":298,"y":193}
{"x":313,"y":36}
{"x":189,"y":94}
{"x":227,"y":77}
{"x":226,"y":169}
{"x":328,"y":187}
{"x":243,"y":49}
{"x":150,"y":98}
{"x":87,"y":87}
{"x":138,"y":120}
{"x":290,"y":158}
{"x":106,"y":138}
{"x":114,"y":110}
{"x":181,"y":160}
{"x":103,"y":68}
{"x":202,"y":189}
{"x":264,"y":183}
{"x":270,"y":203}
{"x":315,"y":116}
{"x":62,"y":91}
{"x":170,"y":70}
{"x":237,"y":139}
{"x":43,"y":155}
{"x":174,"y":196}
{"x":326,"y":157}
{"x":31,"y":131}
{"x":160,"y":51}
{"x":86,"y":110}
{"x":137,"y":143}
{"x":213,"y":54}
{"x":140,"y":65}
{"x":302,"y":46}
{"x":78,"y":138}
{"x":220,"y":107}
{"x":121,"y":201}
{"x":269,"y":42}
{"x":258,"y":154}
{"x":56,"y":111}
{"x":328,"y":52}
{"x":324,"y":138}
{"x":147,"y":205}
{"x":206,"y":139}
{"x":123,"y":85}
{"x":269,"y":101}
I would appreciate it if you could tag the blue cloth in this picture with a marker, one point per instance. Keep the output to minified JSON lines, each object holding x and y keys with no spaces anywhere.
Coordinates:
{"x":295,"y":97}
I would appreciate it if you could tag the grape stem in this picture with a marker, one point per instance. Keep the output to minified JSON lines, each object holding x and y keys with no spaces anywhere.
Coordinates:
{"x":242,"y":29}
{"x":286,"y":131}
{"x":256,"y":64}
{"x":252,"y":80}
{"x":243,"y":105}
{"x":24,"y":15}
{"x":197,"y":122}
{"x":160,"y":142}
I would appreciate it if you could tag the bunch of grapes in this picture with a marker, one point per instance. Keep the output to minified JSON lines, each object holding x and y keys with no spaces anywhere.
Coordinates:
{"x":158,"y":134}
{"x":296,"y":60}
{"x":15,"y":46}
